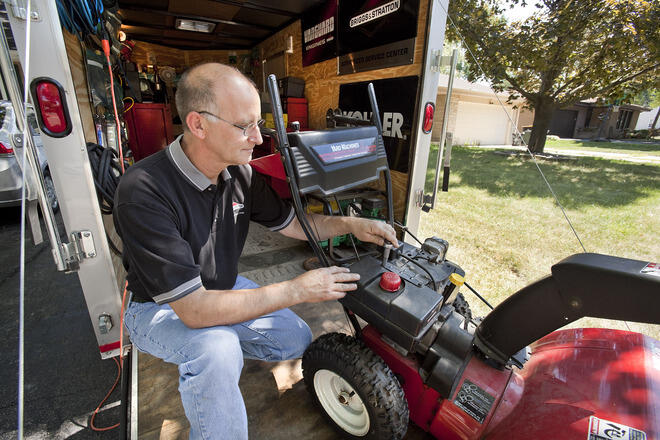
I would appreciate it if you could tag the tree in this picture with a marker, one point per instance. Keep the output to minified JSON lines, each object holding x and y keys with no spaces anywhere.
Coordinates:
{"x":567,"y":51}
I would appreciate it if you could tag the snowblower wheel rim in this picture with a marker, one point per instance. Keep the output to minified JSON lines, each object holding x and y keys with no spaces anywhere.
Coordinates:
{"x":341,"y":402}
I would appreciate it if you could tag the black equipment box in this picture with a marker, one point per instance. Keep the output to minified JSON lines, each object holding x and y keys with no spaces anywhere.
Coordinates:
{"x":332,"y":161}
{"x":291,"y":87}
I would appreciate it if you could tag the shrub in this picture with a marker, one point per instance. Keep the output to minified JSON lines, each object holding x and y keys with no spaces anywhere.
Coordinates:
{"x":639,"y":134}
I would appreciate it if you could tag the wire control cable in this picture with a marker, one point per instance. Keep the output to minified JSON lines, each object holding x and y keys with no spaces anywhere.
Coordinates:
{"x":80,"y":17}
{"x":21,"y":282}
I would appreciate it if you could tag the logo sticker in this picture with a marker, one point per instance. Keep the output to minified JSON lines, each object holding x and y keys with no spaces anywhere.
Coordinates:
{"x":651,"y":269}
{"x":375,"y":13}
{"x":601,"y":429}
{"x":475,"y":401}
{"x":237,"y":208}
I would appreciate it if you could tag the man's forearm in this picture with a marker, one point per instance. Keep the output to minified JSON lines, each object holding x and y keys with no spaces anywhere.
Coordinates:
{"x":327,"y":226}
{"x":206,"y":308}
{"x":324,"y":226}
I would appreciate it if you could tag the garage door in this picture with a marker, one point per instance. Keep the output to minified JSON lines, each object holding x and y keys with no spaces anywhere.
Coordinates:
{"x":481,"y":124}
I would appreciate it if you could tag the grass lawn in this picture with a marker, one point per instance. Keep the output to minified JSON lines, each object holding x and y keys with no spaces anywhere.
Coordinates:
{"x":505,"y":230}
{"x":633,"y":149}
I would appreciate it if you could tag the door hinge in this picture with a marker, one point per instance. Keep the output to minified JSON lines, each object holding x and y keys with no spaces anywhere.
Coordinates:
{"x":438,"y":60}
{"x":80,"y":247}
{"x":418,"y":197}
{"x":19,"y":9}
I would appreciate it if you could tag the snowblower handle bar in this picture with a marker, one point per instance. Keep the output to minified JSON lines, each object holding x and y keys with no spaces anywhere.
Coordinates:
{"x":375,"y":117}
{"x":289,"y":166}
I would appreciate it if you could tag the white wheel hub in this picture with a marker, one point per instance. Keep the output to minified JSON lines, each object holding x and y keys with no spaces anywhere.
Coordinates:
{"x":341,"y":402}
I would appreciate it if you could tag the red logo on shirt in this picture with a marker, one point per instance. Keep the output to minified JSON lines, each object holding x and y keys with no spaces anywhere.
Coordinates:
{"x":236,"y":207}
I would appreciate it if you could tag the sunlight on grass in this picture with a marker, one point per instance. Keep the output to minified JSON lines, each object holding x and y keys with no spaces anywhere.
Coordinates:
{"x":630,"y":148}
{"x":505,"y":229}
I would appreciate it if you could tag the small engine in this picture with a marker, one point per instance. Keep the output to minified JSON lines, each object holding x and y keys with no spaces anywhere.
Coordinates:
{"x":406,"y":294}
{"x":400,"y":294}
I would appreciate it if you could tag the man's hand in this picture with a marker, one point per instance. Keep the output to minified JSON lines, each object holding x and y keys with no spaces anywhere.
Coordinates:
{"x":373,"y":231}
{"x":324,"y":284}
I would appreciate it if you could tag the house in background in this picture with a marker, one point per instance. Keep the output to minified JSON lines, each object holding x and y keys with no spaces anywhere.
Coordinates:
{"x":477,"y":118}
{"x":582,"y":120}
{"x":475,"y":115}
{"x":646,"y":118}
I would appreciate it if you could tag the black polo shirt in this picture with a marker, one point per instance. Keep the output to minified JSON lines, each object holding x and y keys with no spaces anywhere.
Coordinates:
{"x":180,"y":231}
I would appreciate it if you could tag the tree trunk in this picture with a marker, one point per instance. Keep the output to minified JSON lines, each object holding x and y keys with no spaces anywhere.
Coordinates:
{"x":603,"y":123}
{"x":542,"y":117}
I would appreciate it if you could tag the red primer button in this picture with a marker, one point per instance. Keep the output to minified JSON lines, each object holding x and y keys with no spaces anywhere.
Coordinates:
{"x":390,"y":281}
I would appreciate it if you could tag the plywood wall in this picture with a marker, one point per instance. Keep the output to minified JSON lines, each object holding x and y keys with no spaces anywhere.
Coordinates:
{"x":150,"y":54}
{"x":77,"y":66}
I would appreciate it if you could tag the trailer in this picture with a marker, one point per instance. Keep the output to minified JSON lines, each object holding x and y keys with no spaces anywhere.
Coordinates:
{"x":324,"y":54}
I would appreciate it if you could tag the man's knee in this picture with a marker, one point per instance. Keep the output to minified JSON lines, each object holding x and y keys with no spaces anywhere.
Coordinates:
{"x":216,"y":351}
{"x":300,"y":340}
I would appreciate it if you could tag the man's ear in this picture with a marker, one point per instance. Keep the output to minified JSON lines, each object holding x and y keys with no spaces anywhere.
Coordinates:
{"x":196,"y":125}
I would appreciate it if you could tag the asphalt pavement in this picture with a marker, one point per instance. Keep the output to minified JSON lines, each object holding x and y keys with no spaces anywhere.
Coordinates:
{"x":65,"y":378}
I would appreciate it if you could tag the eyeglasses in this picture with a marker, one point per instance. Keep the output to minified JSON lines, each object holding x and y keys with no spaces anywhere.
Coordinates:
{"x":246,"y":129}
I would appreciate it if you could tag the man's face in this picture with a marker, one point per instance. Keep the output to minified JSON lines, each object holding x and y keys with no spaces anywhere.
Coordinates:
{"x":238,"y":103}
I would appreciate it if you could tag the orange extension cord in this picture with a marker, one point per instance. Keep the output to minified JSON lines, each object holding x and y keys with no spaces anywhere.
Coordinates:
{"x":120,"y":362}
{"x":106,"y":51}
{"x":120,"y":366}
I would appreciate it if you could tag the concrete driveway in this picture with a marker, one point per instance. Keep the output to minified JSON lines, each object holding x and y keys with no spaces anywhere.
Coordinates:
{"x":65,"y":378}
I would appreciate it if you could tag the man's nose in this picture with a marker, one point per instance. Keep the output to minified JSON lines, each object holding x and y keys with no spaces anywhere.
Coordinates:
{"x":255,"y":136}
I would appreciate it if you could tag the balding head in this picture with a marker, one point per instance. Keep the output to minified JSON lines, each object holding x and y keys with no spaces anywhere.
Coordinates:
{"x":202,"y":86}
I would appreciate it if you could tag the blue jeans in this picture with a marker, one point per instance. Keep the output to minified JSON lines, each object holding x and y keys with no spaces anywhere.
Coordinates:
{"x":210,"y":359}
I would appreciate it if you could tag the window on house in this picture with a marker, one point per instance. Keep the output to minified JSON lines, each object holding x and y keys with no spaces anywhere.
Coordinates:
{"x":587,"y":120}
{"x":623,"y":121}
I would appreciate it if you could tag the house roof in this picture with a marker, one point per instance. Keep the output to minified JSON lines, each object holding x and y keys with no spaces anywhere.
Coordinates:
{"x":462,"y":85}
{"x":593,"y":102}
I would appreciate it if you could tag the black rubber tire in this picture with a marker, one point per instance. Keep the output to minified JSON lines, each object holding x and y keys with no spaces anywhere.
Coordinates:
{"x":462,"y":307}
{"x":368,"y":375}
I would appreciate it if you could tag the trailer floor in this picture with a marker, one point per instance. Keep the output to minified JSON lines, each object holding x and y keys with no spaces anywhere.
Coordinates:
{"x":278,"y":405}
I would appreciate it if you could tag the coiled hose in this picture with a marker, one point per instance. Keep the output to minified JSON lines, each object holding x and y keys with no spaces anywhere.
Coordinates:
{"x":107,"y":173}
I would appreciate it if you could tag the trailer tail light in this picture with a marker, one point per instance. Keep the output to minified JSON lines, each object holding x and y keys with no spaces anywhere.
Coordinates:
{"x":429,"y":111}
{"x":5,"y":149}
{"x":51,"y":107}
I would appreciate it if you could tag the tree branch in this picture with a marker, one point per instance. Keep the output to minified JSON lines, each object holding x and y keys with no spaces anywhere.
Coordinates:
{"x":599,"y":58}
{"x":479,"y":41}
{"x":612,"y":85}
{"x":626,"y":79}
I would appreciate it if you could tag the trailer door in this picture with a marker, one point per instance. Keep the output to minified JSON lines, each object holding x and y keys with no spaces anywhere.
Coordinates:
{"x":428,"y":91}
{"x":85,"y":250}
